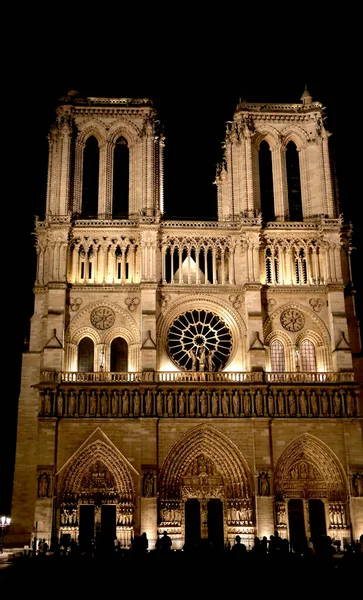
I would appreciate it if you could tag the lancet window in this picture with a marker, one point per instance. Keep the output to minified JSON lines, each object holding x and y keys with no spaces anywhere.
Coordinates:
{"x":307,"y":356}
{"x":277,"y":355}
{"x":85,"y":355}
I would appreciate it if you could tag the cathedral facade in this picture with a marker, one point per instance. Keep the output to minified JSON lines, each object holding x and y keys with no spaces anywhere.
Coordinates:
{"x":198,"y":377}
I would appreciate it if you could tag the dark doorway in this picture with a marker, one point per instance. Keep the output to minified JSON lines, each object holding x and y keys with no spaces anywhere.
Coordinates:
{"x":296,"y":525}
{"x":215,"y":524}
{"x":108,"y":527}
{"x":119,"y":355}
{"x":317,"y":519}
{"x":192,"y":523}
{"x":86,"y":526}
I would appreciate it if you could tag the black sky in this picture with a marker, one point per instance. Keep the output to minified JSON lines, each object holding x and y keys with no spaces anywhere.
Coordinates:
{"x":193,"y":106}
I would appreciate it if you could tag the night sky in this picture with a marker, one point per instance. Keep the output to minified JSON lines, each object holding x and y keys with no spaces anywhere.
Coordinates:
{"x":194,"y":108}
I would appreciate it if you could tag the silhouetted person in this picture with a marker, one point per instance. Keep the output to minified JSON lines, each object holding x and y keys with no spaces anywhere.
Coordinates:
{"x":165,"y":543}
{"x":238,"y":549}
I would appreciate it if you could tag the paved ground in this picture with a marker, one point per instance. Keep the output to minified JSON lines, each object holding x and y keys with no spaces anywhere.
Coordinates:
{"x":181,"y":574}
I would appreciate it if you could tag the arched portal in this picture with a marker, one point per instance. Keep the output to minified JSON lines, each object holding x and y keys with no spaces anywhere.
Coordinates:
{"x":96,"y":499}
{"x":205,"y":479}
{"x":307,"y":472}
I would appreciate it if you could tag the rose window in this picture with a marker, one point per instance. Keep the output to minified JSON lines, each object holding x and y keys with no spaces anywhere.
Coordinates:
{"x":199,"y":340}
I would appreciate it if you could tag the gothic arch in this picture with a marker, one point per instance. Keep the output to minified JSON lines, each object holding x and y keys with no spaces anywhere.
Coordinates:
{"x":125,"y":129}
{"x":309,"y":469}
{"x":77,"y":323}
{"x":92,"y":128}
{"x":296,"y":135}
{"x":325,"y":336}
{"x":268,"y":134}
{"x":227,"y":465}
{"x":99,"y":454}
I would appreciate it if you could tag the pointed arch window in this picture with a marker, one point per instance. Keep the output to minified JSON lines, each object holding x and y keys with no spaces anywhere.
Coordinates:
{"x":293,"y":182}
{"x":91,"y":161}
{"x":119,"y":355}
{"x":85,"y":355}
{"x":301,"y":270}
{"x":272,"y":266}
{"x":277,"y":357}
{"x":266,"y":182}
{"x":120,"y":194}
{"x":307,"y":356}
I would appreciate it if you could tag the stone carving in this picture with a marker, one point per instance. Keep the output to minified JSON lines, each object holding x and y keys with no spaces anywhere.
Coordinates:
{"x":148,"y":485}
{"x":235,"y":301}
{"x":303,"y":404}
{"x":75,"y":304}
{"x":148,"y":403}
{"x":59,"y":404}
{"x":132,"y":303}
{"x":350,"y":404}
{"x":263,"y":484}
{"x":159,"y":404}
{"x":292,"y":403}
{"x":192,"y":403}
{"x":114,"y":403}
{"x":325,"y":404}
{"x":215,"y":402}
{"x":82,"y":403}
{"x":236,"y":404}
{"x":358,"y":484}
{"x":125,"y":404}
{"x":92,"y":403}
{"x":225,"y":404}
{"x":203,"y":404}
{"x":170,"y":400}
{"x":270,"y":404}
{"x":336,"y":404}
{"x":104,"y":404}
{"x":137,"y":404}
{"x":259,"y":403}
{"x":43,"y":485}
{"x":181,"y":403}
{"x":316,"y":304}
{"x":246,"y":404}
{"x":314,"y":403}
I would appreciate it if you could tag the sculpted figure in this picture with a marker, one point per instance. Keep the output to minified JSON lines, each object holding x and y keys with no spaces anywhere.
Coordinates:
{"x":93,"y":403}
{"x":314,"y":403}
{"x":148,"y":403}
{"x":114,"y":403}
{"x":59,"y":403}
{"x":170,"y":404}
{"x":259,"y":403}
{"x":125,"y":404}
{"x":292,"y":403}
{"x":159,"y":404}
{"x":225,"y":404}
{"x":214,"y":404}
{"x":104,"y":403}
{"x":350,"y":404}
{"x":303,"y":404}
{"x":192,"y":403}
{"x":271,"y":404}
{"x":82,"y":403}
{"x":246,"y":404}
{"x":325,"y":405}
{"x":181,"y":403}
{"x":136,"y":404}
{"x":336,"y":404}
{"x":203,"y":404}
{"x":236,"y":404}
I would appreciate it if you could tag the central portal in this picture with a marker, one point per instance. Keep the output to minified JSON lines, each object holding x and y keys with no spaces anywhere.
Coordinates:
{"x":204,"y":520}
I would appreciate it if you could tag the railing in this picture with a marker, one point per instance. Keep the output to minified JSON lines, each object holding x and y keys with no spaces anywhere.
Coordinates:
{"x":198,"y":376}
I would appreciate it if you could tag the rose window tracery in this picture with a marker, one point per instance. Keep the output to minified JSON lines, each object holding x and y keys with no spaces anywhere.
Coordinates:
{"x":199,"y":340}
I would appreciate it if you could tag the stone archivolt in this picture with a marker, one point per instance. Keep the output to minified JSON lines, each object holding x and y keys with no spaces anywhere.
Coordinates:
{"x":308,"y":469}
